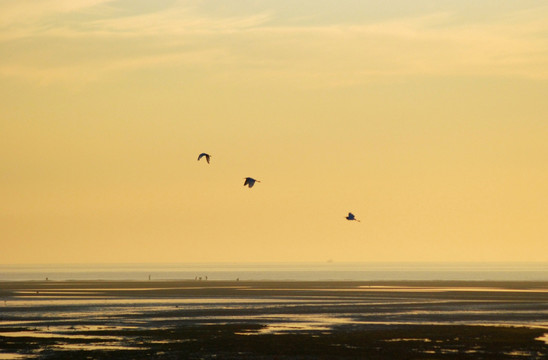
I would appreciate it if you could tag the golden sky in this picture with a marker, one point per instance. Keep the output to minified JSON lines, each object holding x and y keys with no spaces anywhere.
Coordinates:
{"x":427,"y":119}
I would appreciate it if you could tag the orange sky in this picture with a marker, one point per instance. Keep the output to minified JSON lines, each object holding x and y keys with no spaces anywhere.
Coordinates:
{"x":426,"y":120}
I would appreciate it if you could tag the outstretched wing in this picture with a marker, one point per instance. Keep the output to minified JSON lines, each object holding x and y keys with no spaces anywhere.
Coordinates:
{"x":352,"y":217}
{"x":249,"y":182}
{"x":207,"y":156}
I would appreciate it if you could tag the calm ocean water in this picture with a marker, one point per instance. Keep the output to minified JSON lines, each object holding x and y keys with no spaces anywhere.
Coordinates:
{"x":281,"y":271}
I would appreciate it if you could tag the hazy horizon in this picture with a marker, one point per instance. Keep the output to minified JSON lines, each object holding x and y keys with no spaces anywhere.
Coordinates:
{"x":278,"y":271}
{"x":425,"y":119}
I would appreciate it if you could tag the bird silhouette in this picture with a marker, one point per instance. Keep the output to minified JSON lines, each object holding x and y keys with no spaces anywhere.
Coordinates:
{"x":207,"y":156}
{"x":352,"y":217}
{"x":250,"y":182}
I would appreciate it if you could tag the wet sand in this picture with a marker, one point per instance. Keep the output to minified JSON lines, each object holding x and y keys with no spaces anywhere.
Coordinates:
{"x":273,"y":320}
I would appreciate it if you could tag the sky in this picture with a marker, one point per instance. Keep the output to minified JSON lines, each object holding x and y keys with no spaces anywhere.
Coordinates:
{"x":427,"y":119}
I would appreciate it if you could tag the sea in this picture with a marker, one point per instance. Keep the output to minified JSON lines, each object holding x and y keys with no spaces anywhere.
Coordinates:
{"x":324,"y":271}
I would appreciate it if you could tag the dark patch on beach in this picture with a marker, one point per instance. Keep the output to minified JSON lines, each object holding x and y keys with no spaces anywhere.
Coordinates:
{"x":354,"y":342}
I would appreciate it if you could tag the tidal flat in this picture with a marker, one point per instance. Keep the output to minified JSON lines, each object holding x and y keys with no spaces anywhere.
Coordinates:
{"x":273,"y":320}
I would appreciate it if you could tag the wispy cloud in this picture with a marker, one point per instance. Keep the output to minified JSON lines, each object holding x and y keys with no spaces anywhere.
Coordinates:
{"x":330,"y":53}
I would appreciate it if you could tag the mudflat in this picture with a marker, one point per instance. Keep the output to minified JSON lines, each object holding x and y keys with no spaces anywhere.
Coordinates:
{"x":273,"y":320}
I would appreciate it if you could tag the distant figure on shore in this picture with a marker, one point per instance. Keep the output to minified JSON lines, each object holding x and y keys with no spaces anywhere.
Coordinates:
{"x":207,"y":156}
{"x":250,"y":182}
{"x":149,"y":278}
{"x":351,"y":217}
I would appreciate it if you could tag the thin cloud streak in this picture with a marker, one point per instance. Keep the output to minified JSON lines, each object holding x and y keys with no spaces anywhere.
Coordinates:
{"x":29,"y":12}
{"x":94,"y":71}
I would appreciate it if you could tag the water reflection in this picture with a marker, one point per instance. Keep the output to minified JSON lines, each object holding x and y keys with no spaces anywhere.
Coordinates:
{"x":12,"y":356}
{"x":543,"y":338}
{"x":447,"y":288}
{"x":97,"y":346}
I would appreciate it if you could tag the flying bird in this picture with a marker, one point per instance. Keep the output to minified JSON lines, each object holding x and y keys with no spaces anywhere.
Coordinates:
{"x":351,"y":217}
{"x":250,"y":182}
{"x":207,"y":156}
